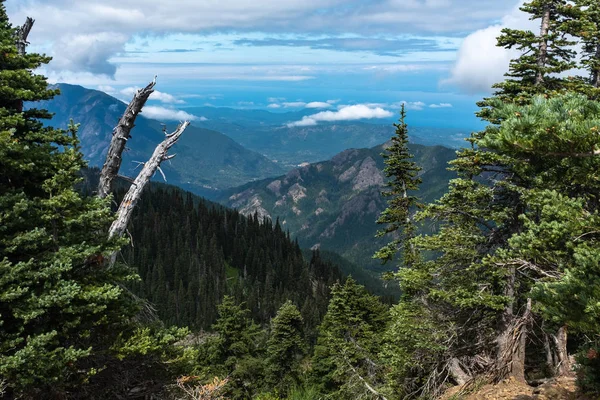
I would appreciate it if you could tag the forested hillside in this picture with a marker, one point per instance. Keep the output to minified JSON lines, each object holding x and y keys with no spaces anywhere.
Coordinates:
{"x":190,"y":253}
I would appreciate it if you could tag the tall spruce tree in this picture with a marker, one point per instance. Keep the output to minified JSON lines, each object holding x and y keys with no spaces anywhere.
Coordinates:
{"x":404,"y":174}
{"x":58,"y":305}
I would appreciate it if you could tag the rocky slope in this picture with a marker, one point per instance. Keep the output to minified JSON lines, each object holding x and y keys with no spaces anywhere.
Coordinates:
{"x":334,"y":204}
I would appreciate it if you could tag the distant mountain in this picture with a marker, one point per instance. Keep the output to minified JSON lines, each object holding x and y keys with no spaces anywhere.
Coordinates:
{"x":206,"y":159}
{"x":334,"y":204}
{"x":268,"y":134}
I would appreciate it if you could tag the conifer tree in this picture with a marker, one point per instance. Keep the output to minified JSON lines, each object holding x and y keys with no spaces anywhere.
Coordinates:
{"x":285,"y":347}
{"x":404,"y":174}
{"x":58,"y":305}
{"x":345,"y":361}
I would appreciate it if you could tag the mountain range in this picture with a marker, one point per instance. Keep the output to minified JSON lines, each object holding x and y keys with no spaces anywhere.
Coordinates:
{"x":206,"y":160}
{"x":334,"y":205}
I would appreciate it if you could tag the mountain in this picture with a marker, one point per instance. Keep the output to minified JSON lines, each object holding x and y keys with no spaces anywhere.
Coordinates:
{"x":267,"y":133}
{"x":334,"y":205}
{"x":206,"y":159}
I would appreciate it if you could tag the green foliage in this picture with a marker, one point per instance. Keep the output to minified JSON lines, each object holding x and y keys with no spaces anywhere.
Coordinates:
{"x":285,"y":347}
{"x":235,"y":352}
{"x":413,"y":344}
{"x":59,"y":305}
{"x":349,"y":339}
{"x":588,"y":369}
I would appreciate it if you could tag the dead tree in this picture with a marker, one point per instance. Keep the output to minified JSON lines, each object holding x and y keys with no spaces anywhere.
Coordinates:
{"x":22,"y":34}
{"x":134,"y":193}
{"x":121,"y":135}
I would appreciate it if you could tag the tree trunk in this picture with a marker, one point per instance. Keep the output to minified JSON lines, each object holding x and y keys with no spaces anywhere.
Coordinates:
{"x":543,"y":49}
{"x":121,"y":134}
{"x":563,"y":366}
{"x":511,"y":346}
{"x":596,"y":70}
{"x":459,"y":375}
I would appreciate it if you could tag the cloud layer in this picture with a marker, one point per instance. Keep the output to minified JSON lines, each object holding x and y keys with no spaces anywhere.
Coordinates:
{"x":87,"y":35}
{"x":345,"y":113}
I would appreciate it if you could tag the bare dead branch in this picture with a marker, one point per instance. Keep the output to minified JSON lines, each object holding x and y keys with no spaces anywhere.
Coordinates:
{"x":135,"y":191}
{"x":121,"y":134}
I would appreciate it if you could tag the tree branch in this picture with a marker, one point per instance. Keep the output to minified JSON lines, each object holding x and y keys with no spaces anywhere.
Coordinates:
{"x":121,"y":134}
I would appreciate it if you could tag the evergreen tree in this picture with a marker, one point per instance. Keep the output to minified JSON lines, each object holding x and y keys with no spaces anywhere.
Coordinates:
{"x":404,"y":174}
{"x":345,"y":361}
{"x":58,"y":304}
{"x":285,"y":347}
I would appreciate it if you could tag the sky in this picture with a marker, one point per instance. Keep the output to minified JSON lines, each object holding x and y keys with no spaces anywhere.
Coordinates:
{"x":344,"y":59}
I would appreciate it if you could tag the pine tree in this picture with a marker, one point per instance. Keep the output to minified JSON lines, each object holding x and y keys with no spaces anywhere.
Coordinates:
{"x":58,"y":305}
{"x":285,"y":347}
{"x":404,"y":174}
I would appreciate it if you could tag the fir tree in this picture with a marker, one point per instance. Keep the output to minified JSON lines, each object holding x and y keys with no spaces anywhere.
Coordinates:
{"x":58,"y":305}
{"x":404,"y":174}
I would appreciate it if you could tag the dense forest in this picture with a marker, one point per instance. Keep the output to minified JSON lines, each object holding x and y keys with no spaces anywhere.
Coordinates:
{"x":116,"y":291}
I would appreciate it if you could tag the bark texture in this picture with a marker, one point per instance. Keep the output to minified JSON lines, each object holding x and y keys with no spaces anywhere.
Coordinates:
{"x":511,"y":347}
{"x":121,"y":134}
{"x":543,"y":50}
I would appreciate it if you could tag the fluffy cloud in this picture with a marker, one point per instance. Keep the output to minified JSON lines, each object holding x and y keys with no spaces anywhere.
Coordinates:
{"x":346,"y":113}
{"x":273,"y":105}
{"x":169,"y":114}
{"x":480,"y":63}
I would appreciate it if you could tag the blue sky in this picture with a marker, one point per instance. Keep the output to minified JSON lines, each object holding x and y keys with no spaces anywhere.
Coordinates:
{"x":436,"y":56}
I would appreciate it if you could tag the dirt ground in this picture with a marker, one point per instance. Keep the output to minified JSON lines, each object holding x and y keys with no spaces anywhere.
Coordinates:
{"x":556,"y":389}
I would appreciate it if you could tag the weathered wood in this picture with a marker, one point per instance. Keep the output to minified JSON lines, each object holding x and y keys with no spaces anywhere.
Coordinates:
{"x":543,"y":49}
{"x":22,"y":34}
{"x":459,"y":375}
{"x":134,"y":193}
{"x":511,"y":347}
{"x":563,"y":366}
{"x":121,"y":134}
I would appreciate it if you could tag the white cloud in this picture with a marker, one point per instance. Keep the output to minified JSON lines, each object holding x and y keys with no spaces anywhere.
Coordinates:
{"x":275,"y":99}
{"x":347,"y":113}
{"x":168,"y":114}
{"x":441,"y":105}
{"x":273,"y":105}
{"x":317,"y":104}
{"x":480,"y":63}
